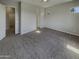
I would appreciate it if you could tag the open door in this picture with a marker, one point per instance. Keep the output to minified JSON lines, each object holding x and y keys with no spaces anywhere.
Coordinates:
{"x":10,"y":21}
{"x":2,"y":21}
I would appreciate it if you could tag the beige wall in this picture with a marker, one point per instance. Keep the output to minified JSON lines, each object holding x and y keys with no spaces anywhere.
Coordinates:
{"x":40,"y":16}
{"x":30,"y":14}
{"x":15,"y":5}
{"x":28,"y":18}
{"x":61,"y":18}
{"x":2,"y":21}
{"x":58,"y":17}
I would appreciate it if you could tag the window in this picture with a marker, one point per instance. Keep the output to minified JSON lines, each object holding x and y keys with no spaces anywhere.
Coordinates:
{"x":75,"y":10}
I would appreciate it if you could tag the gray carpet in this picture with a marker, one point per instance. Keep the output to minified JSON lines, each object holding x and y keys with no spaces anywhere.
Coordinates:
{"x":49,"y":44}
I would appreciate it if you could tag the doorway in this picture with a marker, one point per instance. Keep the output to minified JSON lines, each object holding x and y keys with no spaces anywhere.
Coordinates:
{"x":10,"y":21}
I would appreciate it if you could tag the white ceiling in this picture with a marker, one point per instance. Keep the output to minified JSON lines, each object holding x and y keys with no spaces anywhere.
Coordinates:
{"x":46,"y":4}
{"x":39,"y":3}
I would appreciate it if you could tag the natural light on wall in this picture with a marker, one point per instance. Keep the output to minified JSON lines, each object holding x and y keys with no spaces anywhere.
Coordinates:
{"x":75,"y":50}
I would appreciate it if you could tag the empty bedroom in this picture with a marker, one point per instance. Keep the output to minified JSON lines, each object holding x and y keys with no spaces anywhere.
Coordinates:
{"x":39,"y":29}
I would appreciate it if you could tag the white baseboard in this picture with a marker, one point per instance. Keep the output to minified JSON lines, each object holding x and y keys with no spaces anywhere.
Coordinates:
{"x":63,"y":31}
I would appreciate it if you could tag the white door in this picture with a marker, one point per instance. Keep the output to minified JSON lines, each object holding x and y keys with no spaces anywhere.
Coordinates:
{"x":2,"y":21}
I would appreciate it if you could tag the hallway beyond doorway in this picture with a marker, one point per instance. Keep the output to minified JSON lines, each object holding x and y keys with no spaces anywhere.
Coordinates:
{"x":10,"y":21}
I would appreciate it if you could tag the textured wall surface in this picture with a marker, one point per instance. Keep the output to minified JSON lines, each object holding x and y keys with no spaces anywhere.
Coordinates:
{"x":2,"y":21}
{"x":62,"y":19}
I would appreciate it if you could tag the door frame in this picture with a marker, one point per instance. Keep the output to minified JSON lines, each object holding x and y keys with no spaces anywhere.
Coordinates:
{"x":8,"y":21}
{"x":17,"y":24}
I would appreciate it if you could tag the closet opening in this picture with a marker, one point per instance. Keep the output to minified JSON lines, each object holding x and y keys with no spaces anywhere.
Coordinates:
{"x":10,"y":21}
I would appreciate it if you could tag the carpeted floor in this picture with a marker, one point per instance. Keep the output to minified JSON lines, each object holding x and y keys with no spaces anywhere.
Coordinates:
{"x":49,"y":44}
